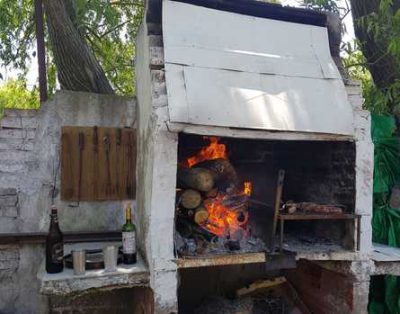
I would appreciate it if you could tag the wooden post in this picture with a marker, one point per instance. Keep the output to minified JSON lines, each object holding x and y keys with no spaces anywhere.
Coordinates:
{"x":278,"y":197}
{"x":41,"y":53}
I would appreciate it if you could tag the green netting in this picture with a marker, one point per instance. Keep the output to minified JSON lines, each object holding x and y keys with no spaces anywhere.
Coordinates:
{"x":385,"y":290}
{"x":387,"y":170}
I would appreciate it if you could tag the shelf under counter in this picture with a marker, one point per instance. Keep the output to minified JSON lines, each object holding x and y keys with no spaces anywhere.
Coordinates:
{"x":64,"y":283}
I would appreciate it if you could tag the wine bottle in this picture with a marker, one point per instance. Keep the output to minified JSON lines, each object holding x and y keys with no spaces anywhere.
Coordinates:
{"x":128,"y":238}
{"x":54,"y":245}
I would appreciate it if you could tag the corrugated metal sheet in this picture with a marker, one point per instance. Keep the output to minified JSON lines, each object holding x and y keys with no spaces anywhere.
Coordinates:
{"x":232,"y":70}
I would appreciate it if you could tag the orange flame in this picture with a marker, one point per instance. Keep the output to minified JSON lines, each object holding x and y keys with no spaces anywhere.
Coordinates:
{"x":247,"y":188}
{"x":213,"y":151}
{"x":223,"y":220}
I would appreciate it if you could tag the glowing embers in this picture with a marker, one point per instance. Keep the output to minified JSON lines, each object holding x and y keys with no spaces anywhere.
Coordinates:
{"x":228,"y":215}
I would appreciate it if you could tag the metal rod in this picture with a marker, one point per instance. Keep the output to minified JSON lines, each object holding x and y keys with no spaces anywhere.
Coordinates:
{"x":41,"y":52}
{"x":257,"y":202}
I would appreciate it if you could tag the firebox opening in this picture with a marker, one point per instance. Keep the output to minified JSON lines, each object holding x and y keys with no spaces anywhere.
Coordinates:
{"x":234,"y":213}
{"x":309,"y":288}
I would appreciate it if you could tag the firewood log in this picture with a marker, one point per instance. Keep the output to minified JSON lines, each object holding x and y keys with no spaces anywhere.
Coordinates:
{"x":235,"y":201}
{"x":195,"y":178}
{"x":190,"y":199}
{"x":224,"y":173}
{"x":200,"y":215}
{"x":188,"y":228}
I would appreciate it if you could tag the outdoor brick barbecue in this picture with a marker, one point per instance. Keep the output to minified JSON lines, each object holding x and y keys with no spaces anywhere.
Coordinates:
{"x":254,"y":170}
{"x":246,"y":156}
{"x":198,"y":84}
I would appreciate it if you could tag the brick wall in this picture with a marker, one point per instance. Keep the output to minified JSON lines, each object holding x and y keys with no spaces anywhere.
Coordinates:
{"x":8,"y":202}
{"x":322,"y":172}
{"x":323,"y":291}
{"x":135,"y":300}
{"x":17,"y":132}
{"x":9,"y":260}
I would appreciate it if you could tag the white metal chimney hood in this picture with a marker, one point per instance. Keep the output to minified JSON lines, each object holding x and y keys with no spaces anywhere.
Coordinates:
{"x":232,"y":70}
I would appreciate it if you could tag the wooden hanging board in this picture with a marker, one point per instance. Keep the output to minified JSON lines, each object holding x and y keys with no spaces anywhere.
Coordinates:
{"x":98,"y":163}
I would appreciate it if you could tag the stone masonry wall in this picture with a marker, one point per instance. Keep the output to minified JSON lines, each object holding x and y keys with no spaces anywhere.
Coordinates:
{"x":30,"y":170}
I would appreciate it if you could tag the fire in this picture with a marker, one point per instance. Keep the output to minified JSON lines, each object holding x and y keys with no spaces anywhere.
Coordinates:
{"x":247,"y":188}
{"x":228,"y":213}
{"x":224,"y":220}
{"x":213,"y":151}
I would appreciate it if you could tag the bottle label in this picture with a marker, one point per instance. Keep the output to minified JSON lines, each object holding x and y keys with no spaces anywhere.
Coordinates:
{"x":128,"y":242}
{"x":57,"y":253}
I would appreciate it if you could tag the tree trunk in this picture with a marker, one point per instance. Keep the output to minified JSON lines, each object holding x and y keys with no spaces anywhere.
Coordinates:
{"x":384,"y":68}
{"x":77,"y":67}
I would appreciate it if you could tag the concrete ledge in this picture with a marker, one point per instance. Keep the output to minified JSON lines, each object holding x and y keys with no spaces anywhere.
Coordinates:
{"x":341,"y":256}
{"x":66,"y":282}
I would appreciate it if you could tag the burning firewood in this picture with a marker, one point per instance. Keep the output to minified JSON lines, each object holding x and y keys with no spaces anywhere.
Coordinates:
{"x":236,"y":202}
{"x":196,"y":178}
{"x":212,"y":193}
{"x":190,"y":199}
{"x":211,"y":201}
{"x":189,"y":229}
{"x":200,"y":215}
{"x":224,"y":173}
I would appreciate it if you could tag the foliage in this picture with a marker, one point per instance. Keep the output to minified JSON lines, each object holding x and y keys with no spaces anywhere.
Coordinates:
{"x":14,"y":94}
{"x":323,"y":5}
{"x":110,"y":27}
{"x":376,"y":100}
{"x":16,"y":32}
{"x":384,"y":27}
{"x":355,"y":63}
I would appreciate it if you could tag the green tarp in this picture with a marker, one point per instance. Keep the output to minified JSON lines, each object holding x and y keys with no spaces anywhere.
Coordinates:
{"x":385,"y":290}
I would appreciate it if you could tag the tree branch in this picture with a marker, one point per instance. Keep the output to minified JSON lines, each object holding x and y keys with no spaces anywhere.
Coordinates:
{"x":113,"y":29}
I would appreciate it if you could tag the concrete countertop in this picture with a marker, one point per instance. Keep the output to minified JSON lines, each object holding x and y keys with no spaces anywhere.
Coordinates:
{"x":67,"y":283}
